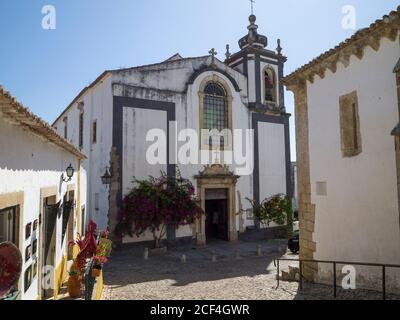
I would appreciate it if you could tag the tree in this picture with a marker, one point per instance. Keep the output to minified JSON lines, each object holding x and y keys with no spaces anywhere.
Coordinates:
{"x":155,"y":203}
{"x":276,"y":209}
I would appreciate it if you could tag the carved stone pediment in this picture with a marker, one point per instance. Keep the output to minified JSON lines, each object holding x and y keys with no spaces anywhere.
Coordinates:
{"x":216,"y":171}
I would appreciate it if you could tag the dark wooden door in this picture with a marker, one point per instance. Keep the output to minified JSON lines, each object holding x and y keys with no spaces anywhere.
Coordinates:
{"x":49,"y":241}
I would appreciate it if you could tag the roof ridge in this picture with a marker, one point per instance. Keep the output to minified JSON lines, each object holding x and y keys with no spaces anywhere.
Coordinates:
{"x":158,"y":63}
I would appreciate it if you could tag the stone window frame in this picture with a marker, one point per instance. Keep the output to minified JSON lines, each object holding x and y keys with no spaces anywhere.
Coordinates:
{"x":16,"y":199}
{"x":275,"y":82}
{"x":229,"y":99}
{"x":350,"y":99}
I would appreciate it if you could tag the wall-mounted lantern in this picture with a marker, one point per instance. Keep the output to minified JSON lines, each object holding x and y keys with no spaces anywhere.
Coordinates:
{"x":70,"y":173}
{"x":106,"y":178}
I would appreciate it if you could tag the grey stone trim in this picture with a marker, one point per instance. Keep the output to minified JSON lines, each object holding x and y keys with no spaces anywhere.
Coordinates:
{"x":257,"y":74}
{"x":125,"y":102}
{"x":397,"y":67}
{"x":396,"y":131}
{"x":267,"y":61}
{"x":246,"y":68}
{"x":238,"y":63}
{"x":284,"y":120}
{"x":198,"y":72}
{"x":263,"y":54}
{"x":281,"y":87}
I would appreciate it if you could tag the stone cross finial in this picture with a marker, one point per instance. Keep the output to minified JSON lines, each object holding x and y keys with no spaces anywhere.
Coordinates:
{"x":213,"y":53}
{"x":227,"y":54}
{"x":279,"y":48}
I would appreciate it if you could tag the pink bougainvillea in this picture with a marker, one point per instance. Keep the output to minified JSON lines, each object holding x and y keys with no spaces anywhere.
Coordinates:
{"x":155,"y":203}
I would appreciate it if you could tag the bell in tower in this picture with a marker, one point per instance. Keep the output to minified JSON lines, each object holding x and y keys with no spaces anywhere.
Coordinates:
{"x":262,"y":67}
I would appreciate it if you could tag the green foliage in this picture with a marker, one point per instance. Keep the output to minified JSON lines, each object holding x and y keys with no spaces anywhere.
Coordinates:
{"x":276,"y":209}
{"x":155,"y":203}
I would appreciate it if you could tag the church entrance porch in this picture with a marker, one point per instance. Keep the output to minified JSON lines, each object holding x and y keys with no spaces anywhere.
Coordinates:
{"x":216,"y":188}
{"x":217,"y":214}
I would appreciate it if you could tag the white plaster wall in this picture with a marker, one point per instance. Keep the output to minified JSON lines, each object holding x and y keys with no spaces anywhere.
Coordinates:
{"x":27,"y":164}
{"x":272,"y":159}
{"x":136,"y":124}
{"x":98,"y":105}
{"x":359,"y":218}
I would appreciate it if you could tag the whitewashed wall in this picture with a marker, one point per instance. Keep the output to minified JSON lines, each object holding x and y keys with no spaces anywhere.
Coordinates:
{"x":272,"y":159}
{"x":27,"y":164}
{"x":358,"y":220}
{"x":98,"y":105}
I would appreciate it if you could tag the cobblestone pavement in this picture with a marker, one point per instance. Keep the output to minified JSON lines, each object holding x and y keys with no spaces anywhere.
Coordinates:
{"x":164,"y":277}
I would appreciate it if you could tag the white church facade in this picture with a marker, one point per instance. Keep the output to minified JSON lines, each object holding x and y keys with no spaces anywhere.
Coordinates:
{"x":348,"y":153}
{"x":110,"y":121}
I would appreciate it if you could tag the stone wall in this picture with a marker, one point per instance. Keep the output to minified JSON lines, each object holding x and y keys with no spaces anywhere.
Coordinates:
{"x":306,"y":208}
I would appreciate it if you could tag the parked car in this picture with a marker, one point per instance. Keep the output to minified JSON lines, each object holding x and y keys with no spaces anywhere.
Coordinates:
{"x":294,"y":242}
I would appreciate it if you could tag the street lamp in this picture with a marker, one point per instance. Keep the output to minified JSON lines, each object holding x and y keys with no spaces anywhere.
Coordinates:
{"x":70,"y":173}
{"x":106,"y":178}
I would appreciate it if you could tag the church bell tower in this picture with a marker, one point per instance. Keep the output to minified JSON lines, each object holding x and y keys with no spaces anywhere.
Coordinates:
{"x":262,"y":67}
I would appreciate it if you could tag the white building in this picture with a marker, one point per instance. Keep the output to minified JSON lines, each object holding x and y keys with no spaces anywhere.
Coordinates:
{"x":347,"y":104}
{"x":39,"y":212}
{"x":109,"y":121}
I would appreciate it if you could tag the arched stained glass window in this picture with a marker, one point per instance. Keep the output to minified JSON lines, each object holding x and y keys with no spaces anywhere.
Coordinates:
{"x":215,"y":107}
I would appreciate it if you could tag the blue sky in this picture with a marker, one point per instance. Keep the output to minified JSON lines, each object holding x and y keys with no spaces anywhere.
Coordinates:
{"x":45,"y":69}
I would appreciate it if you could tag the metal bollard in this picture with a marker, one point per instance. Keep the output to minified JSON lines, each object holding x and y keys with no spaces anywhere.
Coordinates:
{"x":259,"y":251}
{"x":214,"y":257}
{"x":183,"y":259}
{"x":146,"y":254}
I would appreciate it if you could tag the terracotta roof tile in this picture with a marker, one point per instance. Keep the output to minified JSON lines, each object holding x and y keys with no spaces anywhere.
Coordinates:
{"x":394,"y":15}
{"x":12,"y":109}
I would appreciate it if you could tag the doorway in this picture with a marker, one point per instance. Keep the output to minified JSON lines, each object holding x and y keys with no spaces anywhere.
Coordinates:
{"x":49,"y":226}
{"x":216,"y":208}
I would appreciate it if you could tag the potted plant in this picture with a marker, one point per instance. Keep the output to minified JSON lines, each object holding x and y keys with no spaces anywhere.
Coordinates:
{"x":104,"y":234}
{"x":74,"y":284}
{"x":98,"y":262}
{"x":277,"y":209}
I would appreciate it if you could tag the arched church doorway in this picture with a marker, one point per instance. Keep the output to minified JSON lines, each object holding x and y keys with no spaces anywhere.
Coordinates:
{"x":216,"y":188}
{"x":216,"y":214}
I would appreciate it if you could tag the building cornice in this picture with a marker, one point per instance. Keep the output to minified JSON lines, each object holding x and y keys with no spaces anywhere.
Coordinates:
{"x":11,"y":109}
{"x":387,"y":27}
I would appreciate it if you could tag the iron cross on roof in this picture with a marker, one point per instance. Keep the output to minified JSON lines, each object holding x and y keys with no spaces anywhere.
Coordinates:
{"x":252,"y":5}
{"x":213,"y":53}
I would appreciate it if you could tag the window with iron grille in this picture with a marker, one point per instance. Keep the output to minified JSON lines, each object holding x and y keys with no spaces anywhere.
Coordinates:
{"x":215,"y":110}
{"x":350,"y":125}
{"x":94,"y":133}
{"x":9,"y":224}
{"x":81,"y":129}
